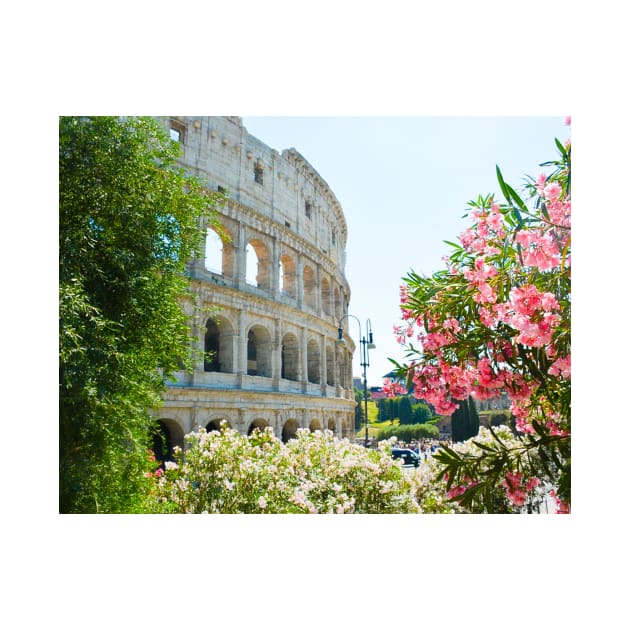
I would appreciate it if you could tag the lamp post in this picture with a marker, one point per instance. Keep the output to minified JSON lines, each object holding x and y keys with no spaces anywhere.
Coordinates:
{"x":366,"y":344}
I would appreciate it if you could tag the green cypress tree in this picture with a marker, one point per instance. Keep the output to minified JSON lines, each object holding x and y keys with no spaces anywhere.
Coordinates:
{"x":464,"y":421}
{"x":405,"y":412}
{"x":474,"y":417}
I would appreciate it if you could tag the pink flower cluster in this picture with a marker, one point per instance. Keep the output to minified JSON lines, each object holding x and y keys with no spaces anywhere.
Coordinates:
{"x":489,"y":226}
{"x":561,"y":506}
{"x":561,"y":367}
{"x":533,"y":313}
{"x":540,"y":249}
{"x":558,"y":207}
{"x":457,"y":491}
{"x":479,"y":276}
{"x":393,"y":389}
{"x":516,"y":490}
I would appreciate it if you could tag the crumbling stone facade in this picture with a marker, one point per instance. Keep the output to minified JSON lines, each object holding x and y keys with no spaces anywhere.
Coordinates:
{"x":268,"y":301}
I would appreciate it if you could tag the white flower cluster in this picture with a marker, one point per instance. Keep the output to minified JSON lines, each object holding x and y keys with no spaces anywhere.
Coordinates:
{"x":226,"y":472}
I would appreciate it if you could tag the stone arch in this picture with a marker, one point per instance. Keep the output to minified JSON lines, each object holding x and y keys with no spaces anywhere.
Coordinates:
{"x":258,"y":351}
{"x":218,"y":346}
{"x":326,"y":301}
{"x":332,"y":425}
{"x":288,"y":276}
{"x":290,"y":357}
{"x":258,"y":264}
{"x":310,"y":284}
{"x":219,"y":252}
{"x":259,"y":424}
{"x":167,"y":434}
{"x":289,"y":430}
{"x":315,"y":425}
{"x":313,"y":361}
{"x":215,"y":425}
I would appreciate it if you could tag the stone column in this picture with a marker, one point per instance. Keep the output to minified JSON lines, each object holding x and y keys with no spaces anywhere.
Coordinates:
{"x":241,"y":342}
{"x":275,"y":269}
{"x":304,"y":359}
{"x":318,"y":292}
{"x":276,"y":355}
{"x":300,"y":281}
{"x":240,"y":255}
{"x":323,"y":373}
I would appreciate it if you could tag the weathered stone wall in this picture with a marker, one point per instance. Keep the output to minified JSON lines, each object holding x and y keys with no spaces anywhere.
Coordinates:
{"x":273,"y":357}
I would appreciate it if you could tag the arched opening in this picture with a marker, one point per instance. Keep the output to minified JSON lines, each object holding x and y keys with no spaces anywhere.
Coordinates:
{"x":258,"y":265}
{"x":331,"y":424}
{"x":315,"y":425}
{"x":258,"y":352}
{"x":326,"y":296}
{"x":290,"y":357}
{"x":289,"y":430}
{"x":211,"y":347}
{"x":219,"y":253}
{"x":214,"y":252}
{"x":312,"y":359}
{"x":215,"y":425}
{"x":166,"y":435}
{"x":259,"y":424}
{"x":309,"y":286}
{"x":287,"y":278}
{"x":218,"y":355}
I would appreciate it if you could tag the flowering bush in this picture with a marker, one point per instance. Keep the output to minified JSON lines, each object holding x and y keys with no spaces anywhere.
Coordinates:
{"x":481,"y":488}
{"x":226,"y":472}
{"x":498,"y":320}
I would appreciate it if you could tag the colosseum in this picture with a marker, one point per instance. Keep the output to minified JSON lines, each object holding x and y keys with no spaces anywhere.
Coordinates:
{"x":268,"y":300}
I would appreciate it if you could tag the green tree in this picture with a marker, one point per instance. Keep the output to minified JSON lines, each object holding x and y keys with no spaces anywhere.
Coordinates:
{"x":359,"y":414}
{"x":129,"y":220}
{"x":464,"y":420}
{"x":405,"y":413}
{"x":421,"y":413}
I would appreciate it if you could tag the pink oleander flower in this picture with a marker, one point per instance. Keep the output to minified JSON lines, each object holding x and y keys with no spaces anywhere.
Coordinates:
{"x":455,"y":491}
{"x":561,"y":506}
{"x":561,"y":367}
{"x":567,"y":121}
{"x":552,"y":191}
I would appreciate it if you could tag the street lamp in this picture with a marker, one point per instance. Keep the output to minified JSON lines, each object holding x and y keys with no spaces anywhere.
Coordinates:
{"x":367,"y":344}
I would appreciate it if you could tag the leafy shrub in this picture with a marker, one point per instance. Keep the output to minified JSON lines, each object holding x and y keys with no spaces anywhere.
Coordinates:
{"x":409,"y":432}
{"x":226,"y":472}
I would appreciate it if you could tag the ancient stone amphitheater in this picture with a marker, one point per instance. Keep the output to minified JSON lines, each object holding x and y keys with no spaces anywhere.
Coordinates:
{"x":268,"y":302}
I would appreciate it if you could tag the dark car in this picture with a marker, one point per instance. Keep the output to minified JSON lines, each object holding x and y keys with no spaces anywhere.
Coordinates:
{"x":409,"y":457}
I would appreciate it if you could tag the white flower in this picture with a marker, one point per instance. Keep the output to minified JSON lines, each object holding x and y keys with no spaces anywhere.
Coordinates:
{"x":262,"y":503}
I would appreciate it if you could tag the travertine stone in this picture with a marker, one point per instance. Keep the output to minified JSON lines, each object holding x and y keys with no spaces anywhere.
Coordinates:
{"x":274,"y":358}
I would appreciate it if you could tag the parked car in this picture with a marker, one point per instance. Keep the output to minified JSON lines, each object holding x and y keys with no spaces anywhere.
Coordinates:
{"x":409,"y":457}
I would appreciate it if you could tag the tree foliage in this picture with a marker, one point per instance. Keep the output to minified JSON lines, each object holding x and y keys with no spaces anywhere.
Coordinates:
{"x":129,"y":220}
{"x":497,"y":321}
{"x":464,"y":420}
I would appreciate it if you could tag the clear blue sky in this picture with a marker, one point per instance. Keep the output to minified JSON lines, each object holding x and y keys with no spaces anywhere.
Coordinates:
{"x":404,"y":184}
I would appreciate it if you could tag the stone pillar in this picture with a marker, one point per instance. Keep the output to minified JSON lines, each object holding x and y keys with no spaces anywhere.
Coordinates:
{"x":318,"y":292}
{"x":240,"y":255}
{"x":198,"y":336}
{"x":275,"y":269}
{"x":300,"y":281}
{"x":276,"y":355}
{"x":304,"y":359}
{"x":323,"y":372}
{"x":241,"y":342}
